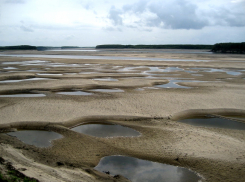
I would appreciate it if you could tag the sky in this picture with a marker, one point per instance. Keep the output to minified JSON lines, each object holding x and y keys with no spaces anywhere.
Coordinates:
{"x":95,"y":22}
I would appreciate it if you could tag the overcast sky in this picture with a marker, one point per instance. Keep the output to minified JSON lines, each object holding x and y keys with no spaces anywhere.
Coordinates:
{"x":93,"y":22}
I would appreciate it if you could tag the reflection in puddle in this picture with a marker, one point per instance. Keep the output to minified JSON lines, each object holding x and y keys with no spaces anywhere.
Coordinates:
{"x":74,"y":93}
{"x":211,"y":70}
{"x":197,"y":74}
{"x":106,"y":79}
{"x":234,"y":73}
{"x":107,"y":90}
{"x":157,"y":69}
{"x":138,"y":170}
{"x":172,"y":84}
{"x":214,"y":122}
{"x":24,"y":95}
{"x":10,"y":68}
{"x":36,"y":137}
{"x":36,"y":62}
{"x":29,"y":79}
{"x":102,"y":130}
{"x":49,"y":74}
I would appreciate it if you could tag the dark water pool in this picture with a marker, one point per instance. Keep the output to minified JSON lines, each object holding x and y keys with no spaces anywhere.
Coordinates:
{"x":215,"y":122}
{"x":138,"y":170}
{"x":102,"y":130}
{"x":37,"y":138}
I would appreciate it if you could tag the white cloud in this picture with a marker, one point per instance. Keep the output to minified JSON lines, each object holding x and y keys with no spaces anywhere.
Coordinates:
{"x":92,"y":22}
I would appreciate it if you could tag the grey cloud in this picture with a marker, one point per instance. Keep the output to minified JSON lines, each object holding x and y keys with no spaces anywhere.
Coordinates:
{"x":234,"y":16}
{"x":138,"y":7}
{"x":112,"y":29}
{"x":114,"y":15}
{"x":180,"y":14}
{"x":26,"y":29}
{"x":176,"y":15}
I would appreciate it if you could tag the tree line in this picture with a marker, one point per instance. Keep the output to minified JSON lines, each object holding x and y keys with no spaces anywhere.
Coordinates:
{"x":18,"y":47}
{"x":229,"y":48}
{"x":238,"y":48}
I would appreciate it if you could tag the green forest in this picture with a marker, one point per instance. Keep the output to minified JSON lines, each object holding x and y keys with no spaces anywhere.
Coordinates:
{"x":18,"y":47}
{"x":229,"y":48}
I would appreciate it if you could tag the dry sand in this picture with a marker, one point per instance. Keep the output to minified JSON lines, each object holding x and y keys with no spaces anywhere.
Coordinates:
{"x":214,"y":153}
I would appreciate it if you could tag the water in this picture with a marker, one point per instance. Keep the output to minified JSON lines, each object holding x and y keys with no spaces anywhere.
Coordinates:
{"x":10,"y":68}
{"x":24,"y":95}
{"x":29,"y":79}
{"x":74,"y":93}
{"x":99,"y":57}
{"x":138,"y":170}
{"x":37,"y":138}
{"x":102,"y":130}
{"x":107,"y":90}
{"x":214,"y":122}
{"x":211,"y":70}
{"x":49,"y":74}
{"x":172,"y":84}
{"x":106,"y":79}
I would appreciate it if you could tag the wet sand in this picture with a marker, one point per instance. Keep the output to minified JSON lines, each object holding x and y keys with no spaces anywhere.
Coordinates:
{"x":215,"y":154}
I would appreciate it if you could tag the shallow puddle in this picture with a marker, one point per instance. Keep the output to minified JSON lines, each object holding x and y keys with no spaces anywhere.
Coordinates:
{"x":28,"y":79}
{"x":215,"y":122}
{"x":24,"y":95}
{"x":37,"y":138}
{"x":107,"y":90}
{"x":172,"y":84}
{"x":212,"y":70}
{"x":74,"y":93}
{"x":10,"y":68}
{"x":106,"y":130}
{"x":106,"y":79}
{"x":138,"y":170}
{"x":49,"y":74}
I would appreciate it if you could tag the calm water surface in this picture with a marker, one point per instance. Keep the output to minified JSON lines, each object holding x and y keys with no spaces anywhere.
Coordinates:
{"x":138,"y":170}
{"x":215,"y":122}
{"x":102,"y":130}
{"x":37,"y":138}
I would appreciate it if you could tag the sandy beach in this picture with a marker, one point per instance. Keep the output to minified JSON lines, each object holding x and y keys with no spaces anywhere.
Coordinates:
{"x":208,"y":84}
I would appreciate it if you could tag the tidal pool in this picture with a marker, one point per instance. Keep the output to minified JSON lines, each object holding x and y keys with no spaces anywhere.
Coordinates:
{"x":172,"y":84}
{"x":138,"y":170}
{"x":107,"y":90}
{"x":106,"y":79}
{"x":106,"y":130}
{"x":216,"y":122}
{"x":37,"y":138}
{"x":24,"y":95}
{"x":28,"y":79}
{"x":74,"y":93}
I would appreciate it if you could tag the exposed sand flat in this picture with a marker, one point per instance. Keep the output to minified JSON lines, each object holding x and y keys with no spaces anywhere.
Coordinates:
{"x":214,"y":153}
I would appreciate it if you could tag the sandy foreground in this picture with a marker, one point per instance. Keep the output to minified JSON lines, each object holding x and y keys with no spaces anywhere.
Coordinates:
{"x":215,"y":154}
